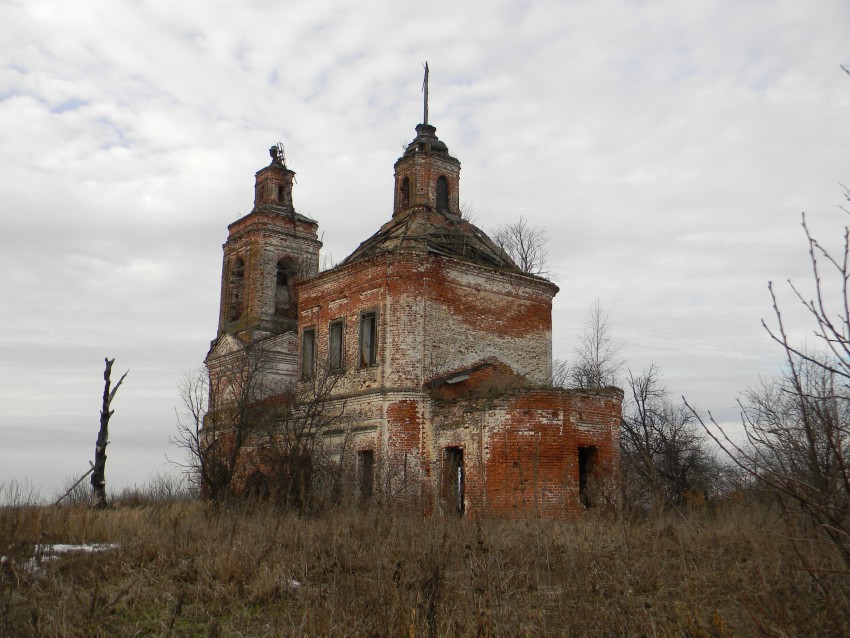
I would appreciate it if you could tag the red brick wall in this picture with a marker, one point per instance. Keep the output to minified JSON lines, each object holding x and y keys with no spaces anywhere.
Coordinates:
{"x":423,"y":170}
{"x":475,"y":313}
{"x":434,"y":314}
{"x":345,"y":293}
{"x":521,"y":451}
{"x":260,"y":239}
{"x":438,"y":314}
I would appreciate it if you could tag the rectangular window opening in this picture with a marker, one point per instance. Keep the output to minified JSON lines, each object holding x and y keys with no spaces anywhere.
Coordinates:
{"x":453,"y":480}
{"x":335,"y":352}
{"x":308,"y":353}
{"x":366,"y":473}
{"x":586,"y":464}
{"x":368,"y":339}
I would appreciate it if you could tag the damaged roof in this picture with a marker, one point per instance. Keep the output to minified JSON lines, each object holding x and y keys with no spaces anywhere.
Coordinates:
{"x":286,"y":211}
{"x":424,"y":229}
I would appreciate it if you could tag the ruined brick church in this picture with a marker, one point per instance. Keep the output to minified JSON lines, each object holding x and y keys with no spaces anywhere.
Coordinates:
{"x":439,"y":346}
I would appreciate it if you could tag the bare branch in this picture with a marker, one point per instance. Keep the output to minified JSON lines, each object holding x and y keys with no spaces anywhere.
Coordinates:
{"x":797,"y":428}
{"x":598,"y":361}
{"x":525,"y":245}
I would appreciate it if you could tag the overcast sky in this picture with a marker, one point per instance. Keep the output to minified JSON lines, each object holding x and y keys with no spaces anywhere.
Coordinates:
{"x":667,"y":147}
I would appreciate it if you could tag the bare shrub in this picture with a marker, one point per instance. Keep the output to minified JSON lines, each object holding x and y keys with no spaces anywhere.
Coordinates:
{"x":159,"y":489}
{"x":243,"y":436}
{"x":218,"y":417}
{"x":665,"y":456}
{"x":18,"y":493}
{"x":798,"y":427}
{"x":75,"y":491}
{"x":290,"y":455}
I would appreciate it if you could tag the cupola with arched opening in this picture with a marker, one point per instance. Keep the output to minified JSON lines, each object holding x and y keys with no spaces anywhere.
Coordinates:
{"x":426,"y":176}
{"x":273,"y":184}
{"x":267,"y":252}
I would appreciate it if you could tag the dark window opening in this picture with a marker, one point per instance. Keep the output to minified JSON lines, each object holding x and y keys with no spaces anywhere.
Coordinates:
{"x":308,"y":353}
{"x":405,"y":193}
{"x":586,"y":464}
{"x":453,"y":480}
{"x":294,"y":479}
{"x":283,"y":277}
{"x":442,"y":193}
{"x":366,"y":473}
{"x":368,"y":339}
{"x":280,"y":193}
{"x":237,"y":284}
{"x":257,"y":486}
{"x":335,"y":357}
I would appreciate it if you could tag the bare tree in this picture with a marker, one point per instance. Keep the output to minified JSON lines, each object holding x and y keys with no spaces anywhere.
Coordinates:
{"x":598,"y":359}
{"x":525,"y":245}
{"x":193,"y":390}
{"x":665,"y":456}
{"x":327,"y":261}
{"x":291,"y":456}
{"x":98,"y":471}
{"x":798,"y":427}
{"x":218,"y":417}
{"x":241,"y":434}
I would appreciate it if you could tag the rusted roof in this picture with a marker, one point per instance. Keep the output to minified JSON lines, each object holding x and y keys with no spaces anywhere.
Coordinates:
{"x":424,"y":229}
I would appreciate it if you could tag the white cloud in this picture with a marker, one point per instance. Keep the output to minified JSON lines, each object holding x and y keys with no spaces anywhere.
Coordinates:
{"x":667,"y":147}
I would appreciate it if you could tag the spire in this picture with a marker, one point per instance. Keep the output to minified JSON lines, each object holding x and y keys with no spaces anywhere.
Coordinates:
{"x":425,"y":91}
{"x":426,"y":175}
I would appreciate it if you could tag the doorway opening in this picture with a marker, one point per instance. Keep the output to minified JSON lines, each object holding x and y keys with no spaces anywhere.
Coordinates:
{"x":586,"y":464}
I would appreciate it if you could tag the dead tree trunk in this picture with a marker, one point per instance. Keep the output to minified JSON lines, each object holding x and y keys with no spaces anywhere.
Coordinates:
{"x":98,"y":475}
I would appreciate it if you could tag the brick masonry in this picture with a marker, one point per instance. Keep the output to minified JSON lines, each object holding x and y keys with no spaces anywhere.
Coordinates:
{"x":455,"y":408}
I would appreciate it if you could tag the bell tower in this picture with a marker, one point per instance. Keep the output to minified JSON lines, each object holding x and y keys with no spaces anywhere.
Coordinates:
{"x":267,"y":251}
{"x":426,"y":176}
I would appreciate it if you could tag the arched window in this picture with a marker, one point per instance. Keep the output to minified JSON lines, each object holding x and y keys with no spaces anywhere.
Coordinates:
{"x":405,"y":194}
{"x":442,"y":193}
{"x":237,"y":288}
{"x":283,"y":278}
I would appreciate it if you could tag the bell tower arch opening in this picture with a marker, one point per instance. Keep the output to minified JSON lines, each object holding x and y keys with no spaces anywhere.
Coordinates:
{"x":285,"y":274}
{"x":237,"y":288}
{"x":442,"y":193}
{"x":405,"y":193}
{"x":267,"y":252}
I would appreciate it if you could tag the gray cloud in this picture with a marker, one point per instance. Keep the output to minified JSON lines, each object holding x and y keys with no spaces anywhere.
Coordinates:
{"x":668,"y":148}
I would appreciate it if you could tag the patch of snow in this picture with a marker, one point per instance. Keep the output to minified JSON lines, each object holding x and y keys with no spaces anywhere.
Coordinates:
{"x":63,"y":548}
{"x":44,"y":553}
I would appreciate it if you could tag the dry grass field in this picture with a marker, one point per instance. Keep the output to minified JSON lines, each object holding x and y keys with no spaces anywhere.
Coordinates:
{"x":187,"y":569}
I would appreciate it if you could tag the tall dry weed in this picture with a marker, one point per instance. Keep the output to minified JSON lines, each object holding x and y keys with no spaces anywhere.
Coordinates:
{"x":185,"y":569}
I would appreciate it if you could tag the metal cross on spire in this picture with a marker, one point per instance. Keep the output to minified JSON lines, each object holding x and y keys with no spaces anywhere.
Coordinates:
{"x":425,"y":90}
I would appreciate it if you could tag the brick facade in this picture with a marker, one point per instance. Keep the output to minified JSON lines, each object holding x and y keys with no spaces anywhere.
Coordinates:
{"x":440,"y":350}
